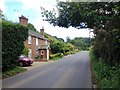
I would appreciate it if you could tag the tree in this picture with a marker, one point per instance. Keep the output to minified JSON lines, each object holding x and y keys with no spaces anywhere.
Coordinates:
{"x":81,"y":43}
{"x":60,"y":39}
{"x":31,"y":27}
{"x":104,"y":17}
{"x":81,"y":14}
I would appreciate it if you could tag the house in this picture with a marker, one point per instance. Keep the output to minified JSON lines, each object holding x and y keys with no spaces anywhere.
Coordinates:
{"x":38,"y":45}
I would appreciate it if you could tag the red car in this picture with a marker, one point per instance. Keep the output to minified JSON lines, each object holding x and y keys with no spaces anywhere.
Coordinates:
{"x":24,"y":60}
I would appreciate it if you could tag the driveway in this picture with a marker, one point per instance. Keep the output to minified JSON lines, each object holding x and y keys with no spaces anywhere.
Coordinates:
{"x":36,"y":64}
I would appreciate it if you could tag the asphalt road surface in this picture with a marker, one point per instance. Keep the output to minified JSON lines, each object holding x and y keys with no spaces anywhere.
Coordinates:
{"x":69,"y":72}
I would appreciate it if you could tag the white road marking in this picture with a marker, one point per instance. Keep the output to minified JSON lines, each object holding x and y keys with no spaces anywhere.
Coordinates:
{"x":60,"y":68}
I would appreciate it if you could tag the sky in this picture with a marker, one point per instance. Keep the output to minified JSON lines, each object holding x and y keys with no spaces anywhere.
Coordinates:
{"x":13,"y":9}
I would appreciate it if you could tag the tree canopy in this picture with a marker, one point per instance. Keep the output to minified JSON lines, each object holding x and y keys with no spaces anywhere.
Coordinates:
{"x":103,"y":17}
{"x":83,"y":14}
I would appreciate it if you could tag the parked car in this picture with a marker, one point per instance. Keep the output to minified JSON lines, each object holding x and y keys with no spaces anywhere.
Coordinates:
{"x":24,"y":60}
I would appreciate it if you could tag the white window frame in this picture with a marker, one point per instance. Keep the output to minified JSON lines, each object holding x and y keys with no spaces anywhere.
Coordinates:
{"x":30,"y":53}
{"x":46,"y":42}
{"x":42,"y":52}
{"x":29,"y":39}
{"x":36,"y":41}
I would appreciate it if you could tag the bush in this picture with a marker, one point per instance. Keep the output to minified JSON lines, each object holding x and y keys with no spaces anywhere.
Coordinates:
{"x":106,"y":75}
{"x":37,"y":57}
{"x":13,"y":37}
{"x":60,"y":55}
{"x":25,"y":51}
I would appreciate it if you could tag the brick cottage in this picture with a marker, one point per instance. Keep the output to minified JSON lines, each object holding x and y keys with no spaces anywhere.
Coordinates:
{"x":38,"y":45}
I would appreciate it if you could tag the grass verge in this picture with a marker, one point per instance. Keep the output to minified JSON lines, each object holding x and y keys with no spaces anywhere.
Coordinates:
{"x":12,"y":72}
{"x":107,"y":76}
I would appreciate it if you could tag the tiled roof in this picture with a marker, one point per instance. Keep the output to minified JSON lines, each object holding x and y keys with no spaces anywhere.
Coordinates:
{"x":30,"y":32}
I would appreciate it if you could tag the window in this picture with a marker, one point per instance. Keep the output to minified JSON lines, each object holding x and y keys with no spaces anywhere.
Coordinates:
{"x":36,"y":41}
{"x":45,"y":42}
{"x":29,"y":40}
{"x":30,"y":53}
{"x":42,"y":52}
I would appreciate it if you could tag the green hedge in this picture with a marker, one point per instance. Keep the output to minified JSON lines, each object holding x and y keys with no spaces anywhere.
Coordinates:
{"x":60,"y":55}
{"x":13,"y":37}
{"x":107,"y":76}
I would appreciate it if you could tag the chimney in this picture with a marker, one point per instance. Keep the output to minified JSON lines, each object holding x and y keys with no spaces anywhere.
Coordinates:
{"x":42,"y":31}
{"x":23,"y":20}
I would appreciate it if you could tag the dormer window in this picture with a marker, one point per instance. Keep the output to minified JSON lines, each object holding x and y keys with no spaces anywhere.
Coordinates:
{"x":29,"y":40}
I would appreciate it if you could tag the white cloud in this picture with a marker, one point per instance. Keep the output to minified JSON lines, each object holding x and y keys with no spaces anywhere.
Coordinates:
{"x":61,"y":32}
{"x":2,"y":6}
{"x":54,"y":31}
{"x":47,"y":4}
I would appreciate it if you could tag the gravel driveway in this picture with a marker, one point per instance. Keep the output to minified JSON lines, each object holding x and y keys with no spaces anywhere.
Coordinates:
{"x":37,"y":64}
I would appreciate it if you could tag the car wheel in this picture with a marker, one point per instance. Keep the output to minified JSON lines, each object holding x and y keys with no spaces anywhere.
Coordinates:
{"x":21,"y":64}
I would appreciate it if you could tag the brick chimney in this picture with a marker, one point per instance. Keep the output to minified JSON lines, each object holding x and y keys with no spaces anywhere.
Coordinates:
{"x":42,"y":31}
{"x":23,"y":20}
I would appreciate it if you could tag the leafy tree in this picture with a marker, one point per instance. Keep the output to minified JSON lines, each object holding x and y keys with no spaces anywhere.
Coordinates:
{"x":81,"y":14}
{"x":31,"y":27}
{"x":81,"y":43}
{"x":60,"y":39}
{"x":103,"y":17}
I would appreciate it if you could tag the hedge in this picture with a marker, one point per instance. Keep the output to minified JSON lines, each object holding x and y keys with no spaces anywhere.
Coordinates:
{"x":13,"y":37}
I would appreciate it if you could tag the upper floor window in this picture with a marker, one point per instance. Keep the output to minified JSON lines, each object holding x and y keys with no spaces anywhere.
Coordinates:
{"x":30,"y":53}
{"x":36,"y":41}
{"x":45,"y":42}
{"x":29,"y":40}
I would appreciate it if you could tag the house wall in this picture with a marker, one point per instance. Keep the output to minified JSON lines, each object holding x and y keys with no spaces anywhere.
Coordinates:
{"x":34,"y":47}
{"x":44,"y":56}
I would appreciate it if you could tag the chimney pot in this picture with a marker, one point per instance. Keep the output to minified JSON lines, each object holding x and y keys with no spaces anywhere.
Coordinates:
{"x":23,"y":20}
{"x":42,"y":31}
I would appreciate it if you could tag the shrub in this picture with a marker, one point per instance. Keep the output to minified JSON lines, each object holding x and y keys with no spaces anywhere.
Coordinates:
{"x":37,"y":57}
{"x":60,"y":55}
{"x":13,"y":37}
{"x":106,"y":75}
{"x":25,"y":51}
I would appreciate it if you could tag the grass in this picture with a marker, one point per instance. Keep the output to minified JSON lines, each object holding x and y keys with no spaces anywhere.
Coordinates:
{"x":107,"y":76}
{"x":12,"y":72}
{"x":56,"y":58}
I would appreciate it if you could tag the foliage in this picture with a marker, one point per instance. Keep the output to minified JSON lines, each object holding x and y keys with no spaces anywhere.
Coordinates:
{"x":25,"y":51}
{"x":76,"y":13}
{"x":2,"y":16}
{"x":103,"y":17}
{"x":60,"y":39}
{"x":107,"y":41}
{"x":31,"y":27}
{"x":13,"y":37}
{"x":81,"y":43}
{"x":37,"y":57}
{"x":12,"y":71}
{"x":54,"y":56}
{"x":107,"y":76}
{"x":58,"y":46}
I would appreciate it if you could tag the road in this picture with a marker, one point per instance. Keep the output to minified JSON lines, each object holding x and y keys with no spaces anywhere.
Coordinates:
{"x":69,"y":72}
